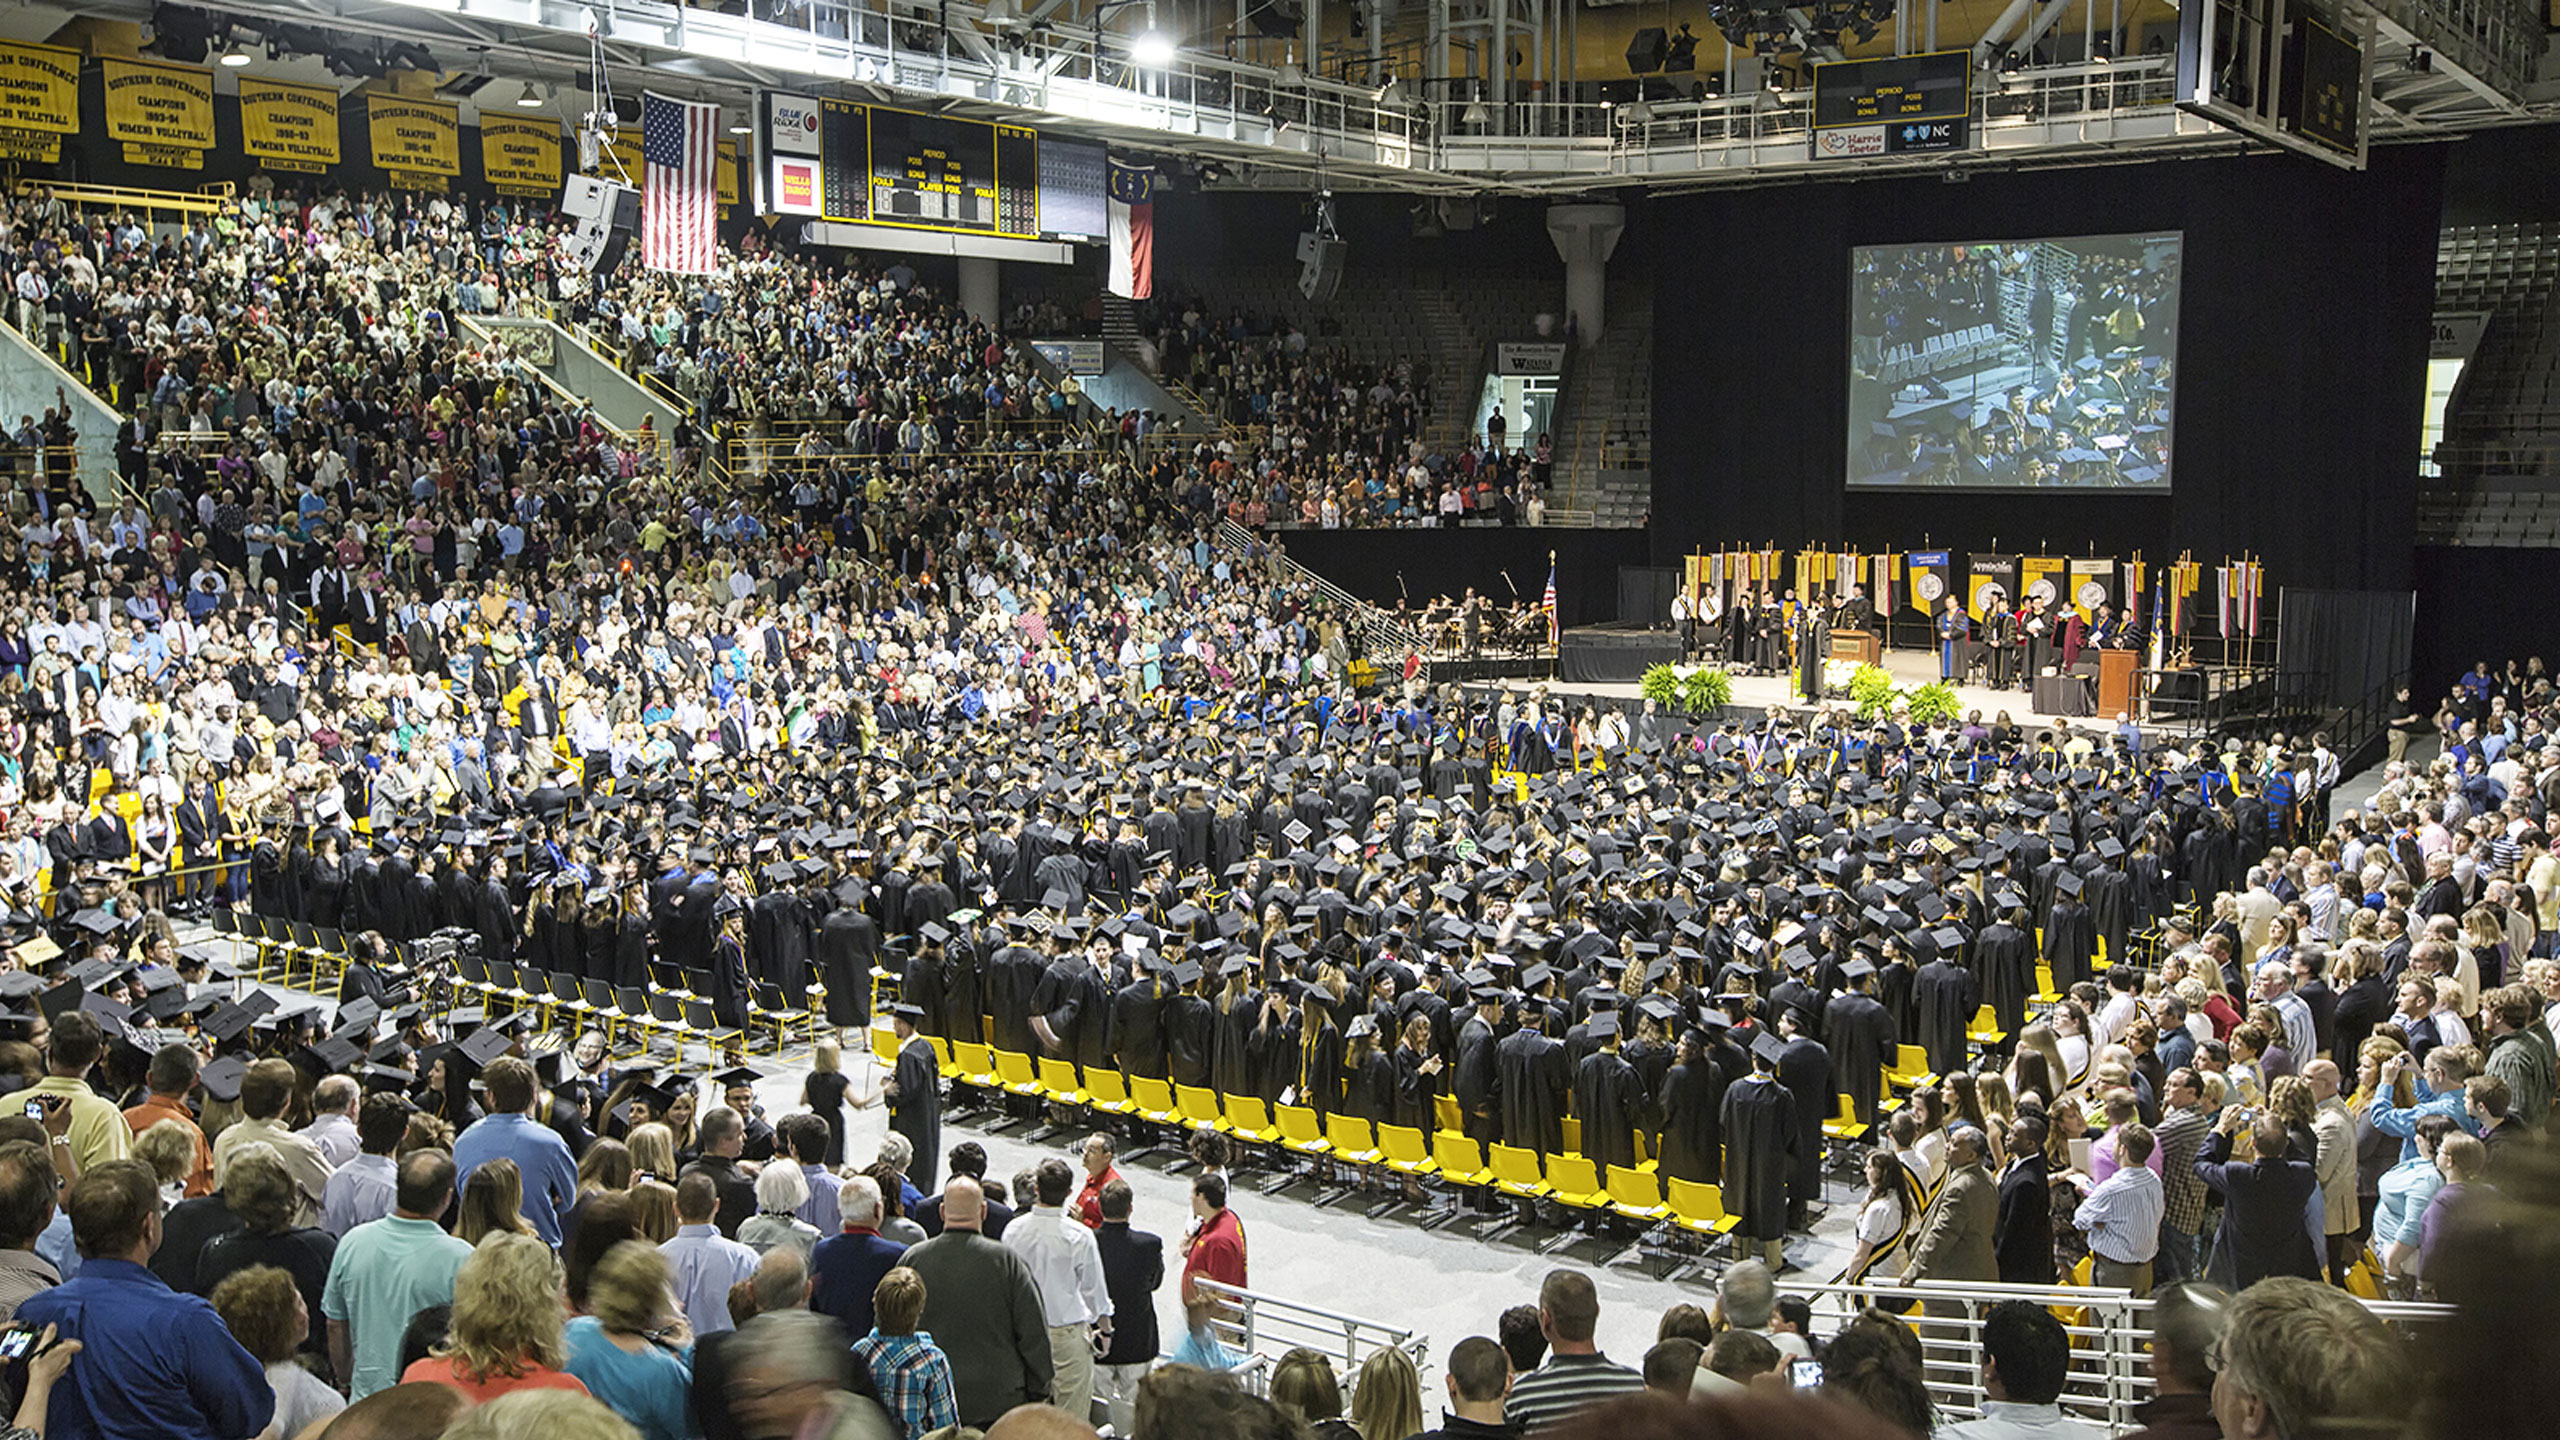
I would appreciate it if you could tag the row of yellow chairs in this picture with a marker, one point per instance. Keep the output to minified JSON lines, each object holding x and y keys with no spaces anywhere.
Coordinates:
{"x":1571,"y":1181}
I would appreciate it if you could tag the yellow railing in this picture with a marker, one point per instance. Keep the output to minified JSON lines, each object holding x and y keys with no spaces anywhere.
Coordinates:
{"x":210,"y":200}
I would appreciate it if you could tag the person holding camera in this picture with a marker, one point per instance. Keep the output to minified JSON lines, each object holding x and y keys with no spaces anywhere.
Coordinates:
{"x":2265,"y":1192}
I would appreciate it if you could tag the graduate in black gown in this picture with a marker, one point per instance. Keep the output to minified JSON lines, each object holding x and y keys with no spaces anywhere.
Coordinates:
{"x":1236,"y":1064}
{"x":914,"y":1093}
{"x":1761,"y":1137}
{"x":1691,"y":1106}
{"x":1945,"y":998}
{"x":1477,"y":1085}
{"x":1610,"y":1097}
{"x":2070,"y":942}
{"x":1861,"y":1037}
{"x":1369,"y":1074}
{"x":729,"y":967}
{"x":2004,"y":960}
{"x":1418,"y":1074}
{"x":1532,"y":1082}
{"x":1190,"y":1028}
{"x":1805,"y":1068}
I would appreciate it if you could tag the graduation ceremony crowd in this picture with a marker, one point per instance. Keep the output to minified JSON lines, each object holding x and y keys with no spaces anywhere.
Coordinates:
{"x":1001,"y":723}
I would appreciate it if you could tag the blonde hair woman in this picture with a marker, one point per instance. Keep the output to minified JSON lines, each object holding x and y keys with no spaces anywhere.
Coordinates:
{"x":632,"y":1347}
{"x":492,"y":1202}
{"x":653,"y":1210}
{"x":653,"y":1152}
{"x":505,"y":1334}
{"x":1386,"y":1401}
{"x":1304,"y":1388}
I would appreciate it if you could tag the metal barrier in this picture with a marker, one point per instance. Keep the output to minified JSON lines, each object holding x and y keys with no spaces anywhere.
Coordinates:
{"x":1385,"y":638}
{"x":1266,"y":1327}
{"x":2109,"y":1331}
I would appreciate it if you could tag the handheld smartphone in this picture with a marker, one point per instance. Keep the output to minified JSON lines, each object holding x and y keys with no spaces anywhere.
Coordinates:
{"x":17,"y":1342}
{"x":35,"y":1110}
{"x":1804,"y":1374}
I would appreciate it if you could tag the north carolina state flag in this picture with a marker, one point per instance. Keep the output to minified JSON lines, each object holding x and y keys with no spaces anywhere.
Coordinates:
{"x":1133,"y":230}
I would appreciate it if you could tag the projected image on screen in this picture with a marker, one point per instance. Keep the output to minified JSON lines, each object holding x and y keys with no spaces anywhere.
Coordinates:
{"x":2014,"y":364}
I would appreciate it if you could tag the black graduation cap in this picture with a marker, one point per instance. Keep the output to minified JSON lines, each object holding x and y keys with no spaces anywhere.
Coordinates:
{"x":1858,"y":968}
{"x":2069,"y":883}
{"x":1658,"y":1007}
{"x":221,"y":1079}
{"x":358,"y":1014}
{"x":486,"y":1044}
{"x":1948,"y":937}
{"x":328,"y":1056}
{"x":1767,"y":1047}
{"x":912,"y":1014}
{"x":2110,"y":848}
{"x":20,"y":984}
{"x":385,"y":1080}
{"x":737,"y":1075}
{"x":934,"y":932}
{"x":658,"y":1099}
{"x":1535,"y":976}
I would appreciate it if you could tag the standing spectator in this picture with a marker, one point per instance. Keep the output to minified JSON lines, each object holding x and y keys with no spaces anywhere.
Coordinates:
{"x":909,"y":1374}
{"x":845,"y":1268}
{"x":2333,"y":1129}
{"x":365,"y":1188}
{"x":781,"y":1283}
{"x":1956,"y":1231}
{"x":98,"y":1131}
{"x":509,"y":1131}
{"x":722,"y":1136}
{"x":505,"y":1331}
{"x":333,"y":1119}
{"x":265,"y":1090}
{"x":983,"y":1308}
{"x":159,"y":1363}
{"x":2122,"y":1215}
{"x":1064,"y":1263}
{"x":1215,"y":1250}
{"x":632,"y":1348}
{"x":2026,"y":1360}
{"x":260,"y":1192}
{"x":804,"y":1138}
{"x":781,"y":1193}
{"x":2265,"y":1192}
{"x":386,"y":1271}
{"x":265,"y":1312}
{"x":1097,"y":1156}
{"x":173,"y":1072}
{"x":2180,"y":1134}
{"x":703,"y":1262}
{"x":2023,"y":1233}
{"x":1576,"y":1375}
{"x":791,"y":1382}
{"x":1132,"y":1269}
{"x":1747,"y":1300}
{"x":967,"y":1158}
{"x":27,"y":1188}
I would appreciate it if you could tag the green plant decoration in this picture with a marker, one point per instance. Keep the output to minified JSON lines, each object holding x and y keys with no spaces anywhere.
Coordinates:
{"x":1706,"y":691}
{"x":1934,"y":702}
{"x":1871,"y":688}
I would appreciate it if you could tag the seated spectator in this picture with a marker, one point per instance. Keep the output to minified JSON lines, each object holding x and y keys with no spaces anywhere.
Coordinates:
{"x":266,"y":1313}
{"x":505,"y":1332}
{"x":539,"y":1415}
{"x":788,"y":1381}
{"x":1875,"y":1363}
{"x":1671,"y":1366}
{"x":1732,"y":1361}
{"x":1386,"y":1396}
{"x":1747,"y":1298}
{"x":27,"y":1186}
{"x":1304,"y":1388}
{"x":401,"y":1412}
{"x":2186,"y":1326}
{"x":909,"y":1374}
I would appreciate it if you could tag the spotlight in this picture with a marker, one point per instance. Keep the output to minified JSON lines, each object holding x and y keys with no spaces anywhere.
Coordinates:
{"x":534,"y":96}
{"x":237,"y":55}
{"x":1152,"y":49}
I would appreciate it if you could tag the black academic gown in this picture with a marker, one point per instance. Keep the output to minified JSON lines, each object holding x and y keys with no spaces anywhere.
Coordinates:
{"x":1532,"y":1083}
{"x":916,"y":1110}
{"x":1190,"y":1038}
{"x":1477,"y":1084}
{"x":2004,"y":960}
{"x":1692,"y":1112}
{"x":1610,"y":1098}
{"x":1806,"y":1070}
{"x":1760,"y":1142}
{"x":1945,"y":998}
{"x":729,"y":984}
{"x":2069,"y":943}
{"x":1861,"y":1038}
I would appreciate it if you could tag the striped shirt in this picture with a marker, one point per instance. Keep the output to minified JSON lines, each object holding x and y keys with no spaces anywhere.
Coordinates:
{"x":2122,"y":1216}
{"x":2180,"y":1134}
{"x":1565,"y":1386}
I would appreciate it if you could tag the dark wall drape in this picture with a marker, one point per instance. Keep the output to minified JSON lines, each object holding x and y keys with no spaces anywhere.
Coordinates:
{"x":2302,"y":354}
{"x":1382,"y":565}
{"x":2350,"y":641}
{"x":1644,"y":593}
{"x":2482,"y":604}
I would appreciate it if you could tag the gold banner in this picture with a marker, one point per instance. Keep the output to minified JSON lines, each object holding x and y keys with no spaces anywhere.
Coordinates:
{"x":30,"y":147}
{"x":727,"y":169}
{"x":167,"y":157}
{"x":39,"y":88}
{"x":521,"y":156}
{"x":159,"y":105}
{"x":414,"y":137}
{"x":2045,"y":577}
{"x":417,"y":180}
{"x":289,"y":127}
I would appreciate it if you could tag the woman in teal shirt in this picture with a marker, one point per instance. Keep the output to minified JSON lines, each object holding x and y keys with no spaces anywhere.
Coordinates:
{"x":632,"y":1348}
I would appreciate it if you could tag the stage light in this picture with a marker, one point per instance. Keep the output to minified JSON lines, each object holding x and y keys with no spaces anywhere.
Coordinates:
{"x":1152,"y":48}
{"x":236,"y":56}
{"x":534,"y":96}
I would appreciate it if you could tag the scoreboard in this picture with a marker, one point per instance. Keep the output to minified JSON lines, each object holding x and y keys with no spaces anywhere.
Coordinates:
{"x":876,"y":165}
{"x":1894,"y":90}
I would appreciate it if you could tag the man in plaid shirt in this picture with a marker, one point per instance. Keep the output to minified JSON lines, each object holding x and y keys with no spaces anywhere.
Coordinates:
{"x":907,"y":1368}
{"x":2181,"y":1133}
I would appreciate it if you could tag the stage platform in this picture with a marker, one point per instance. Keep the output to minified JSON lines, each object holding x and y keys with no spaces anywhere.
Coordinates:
{"x":1909,"y":668}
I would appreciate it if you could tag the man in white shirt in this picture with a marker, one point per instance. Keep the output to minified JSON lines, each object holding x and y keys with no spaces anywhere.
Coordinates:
{"x":333,"y":1120}
{"x":1067,"y":1265}
{"x":2026,"y":1358}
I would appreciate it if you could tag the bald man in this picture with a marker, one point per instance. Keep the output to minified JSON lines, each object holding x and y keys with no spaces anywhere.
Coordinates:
{"x":983,"y":1309}
{"x":1041,"y":1422}
{"x":2334,"y":1126}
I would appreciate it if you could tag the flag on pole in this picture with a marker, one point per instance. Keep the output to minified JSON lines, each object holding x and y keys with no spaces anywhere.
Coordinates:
{"x":1133,"y":230}
{"x":680,"y":164}
{"x":1554,"y":632}
{"x":2160,"y":623}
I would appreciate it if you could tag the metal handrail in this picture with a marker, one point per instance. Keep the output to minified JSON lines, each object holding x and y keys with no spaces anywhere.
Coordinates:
{"x":1381,"y":632}
{"x":1266,"y":1326}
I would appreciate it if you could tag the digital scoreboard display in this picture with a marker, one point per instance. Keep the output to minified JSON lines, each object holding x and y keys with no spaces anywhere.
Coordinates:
{"x":1892,"y":91}
{"x":875,"y":165}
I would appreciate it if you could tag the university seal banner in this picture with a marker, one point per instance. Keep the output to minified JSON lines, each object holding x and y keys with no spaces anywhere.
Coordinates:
{"x":285,"y":126}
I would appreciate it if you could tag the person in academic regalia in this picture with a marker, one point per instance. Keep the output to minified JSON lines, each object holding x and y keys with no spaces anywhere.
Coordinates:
{"x":494,"y":916}
{"x":2004,"y":960}
{"x":1813,"y":646}
{"x":1945,"y":996}
{"x":1190,"y":1028}
{"x":1761,"y":1137}
{"x":1861,"y":1038}
{"x":920,"y":980}
{"x":1477,"y":1085}
{"x":1013,"y":976}
{"x":1239,"y":1062}
{"x":632,"y":940}
{"x":914,"y":1093}
{"x":1691,"y":1106}
{"x":1418,"y":1074}
{"x":324,"y":886}
{"x":1314,"y":1051}
{"x":2070,"y":941}
{"x":1805,"y":1068}
{"x":1532,"y":1082}
{"x":729,"y":994}
{"x":1137,"y":1026}
{"x":1999,"y":641}
{"x":1610,"y":1097}
{"x":1369,"y":1074}
{"x":1955,"y":641}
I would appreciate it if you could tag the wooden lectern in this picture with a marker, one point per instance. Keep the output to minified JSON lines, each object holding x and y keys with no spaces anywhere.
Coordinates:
{"x":2115,"y":682}
{"x":1859,"y":645}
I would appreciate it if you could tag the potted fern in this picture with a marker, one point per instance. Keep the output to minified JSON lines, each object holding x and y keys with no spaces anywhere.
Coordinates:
{"x":1871,"y":688}
{"x":1706,"y":691}
{"x":1934,"y":702}
{"x":1661,"y":685}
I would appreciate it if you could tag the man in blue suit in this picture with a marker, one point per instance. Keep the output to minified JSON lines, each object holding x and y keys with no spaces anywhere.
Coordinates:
{"x":844,"y":1269}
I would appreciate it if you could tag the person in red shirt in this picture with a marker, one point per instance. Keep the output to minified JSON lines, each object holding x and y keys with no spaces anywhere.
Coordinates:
{"x":1215,"y":1251}
{"x":1097,"y":1173}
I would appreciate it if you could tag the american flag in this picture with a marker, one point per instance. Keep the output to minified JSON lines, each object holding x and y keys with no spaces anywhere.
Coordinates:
{"x":1553,"y":631}
{"x":679,"y":153}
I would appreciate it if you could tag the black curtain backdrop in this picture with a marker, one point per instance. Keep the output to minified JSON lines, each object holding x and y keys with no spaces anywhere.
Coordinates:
{"x":2302,"y":354}
{"x":1374,"y":564}
{"x":1644,"y":593}
{"x":2481,"y":604}
{"x":2354,"y":639}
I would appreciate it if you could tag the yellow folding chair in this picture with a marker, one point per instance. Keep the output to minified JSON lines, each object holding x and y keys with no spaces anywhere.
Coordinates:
{"x":1515,"y":1172}
{"x":1155,"y":1100}
{"x":1985,"y":1030}
{"x":1249,"y":1119}
{"x":1198,"y":1107}
{"x":1461,"y":1159}
{"x":1843,"y":1124}
{"x":1058,"y":1082}
{"x":1302,"y":1132}
{"x":1636,"y":1195}
{"x":1016,"y":1074}
{"x":1698,"y":1208}
{"x":1406,"y":1151}
{"x":1108,"y":1091}
{"x":1351,"y":1140}
{"x":977,"y":1064}
{"x":1573,"y":1181}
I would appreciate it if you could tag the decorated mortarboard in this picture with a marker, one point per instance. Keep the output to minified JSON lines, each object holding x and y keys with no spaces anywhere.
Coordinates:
{"x":1361,"y":1024}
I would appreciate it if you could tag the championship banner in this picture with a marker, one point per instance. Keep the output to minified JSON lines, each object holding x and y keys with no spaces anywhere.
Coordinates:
{"x":30,"y":147}
{"x":520,"y":155}
{"x":1929,"y":576}
{"x":39,"y":89}
{"x":418,"y":141}
{"x":2092,"y":585}
{"x":1991,"y":584}
{"x":162,"y":113}
{"x":2042,"y":576}
{"x":285,"y":126}
{"x":726,"y":168}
